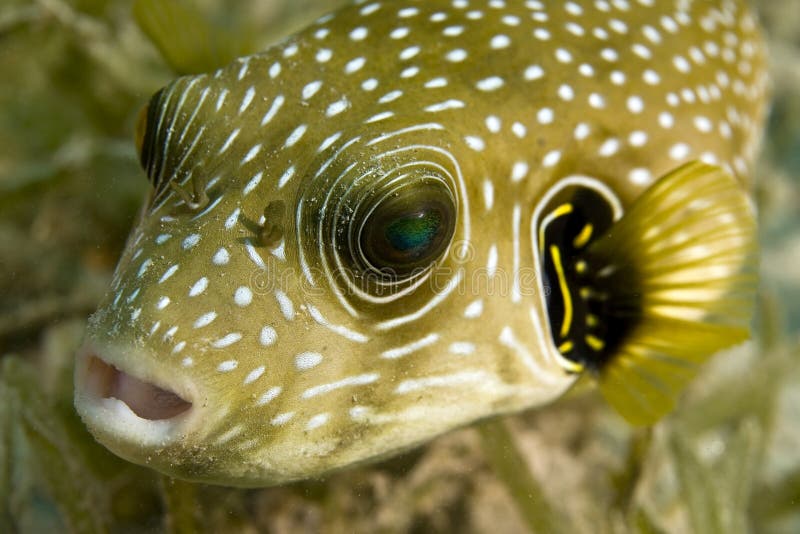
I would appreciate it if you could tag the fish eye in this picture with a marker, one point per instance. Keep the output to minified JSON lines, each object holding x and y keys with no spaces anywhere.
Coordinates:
{"x":408,"y":229}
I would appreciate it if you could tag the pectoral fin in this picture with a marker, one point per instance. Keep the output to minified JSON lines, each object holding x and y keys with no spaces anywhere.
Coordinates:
{"x":679,"y":269}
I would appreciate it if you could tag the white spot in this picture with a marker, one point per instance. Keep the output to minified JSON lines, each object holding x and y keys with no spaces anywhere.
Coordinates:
{"x":586,"y":70}
{"x":317,"y":421}
{"x":227,"y":340}
{"x":285,"y":177}
{"x":268,"y":336}
{"x":295,"y":136}
{"x":640,"y":176}
{"x":229,"y":141}
{"x":405,"y":350}
{"x":541,"y":34}
{"x":252,"y":184}
{"x":269,"y":395}
{"x":455,"y":379}
{"x":703,"y":124}
{"x":337,"y":107}
{"x":519,"y":171}
{"x":251,"y":154}
{"x":651,"y":77}
{"x":461,"y":348}
{"x":199,"y":287}
{"x":311,"y":89}
{"x":168,"y":273}
{"x":681,"y":63}
{"x":453,"y":31}
{"x":359,"y":380}
{"x":637,"y":138}
{"x":582,"y":131}
{"x":491,"y":261}
{"x":282,"y":418}
{"x":635,"y":104}
{"x":275,"y":70}
{"x":534,"y":72}
{"x":354,"y":65}
{"x":227,"y":366}
{"x":399,"y":33}
{"x":545,"y":116}
{"x":254,"y":375}
{"x":388,"y":97}
{"x":617,"y":77}
{"x":609,"y":147}
{"x":243,"y":296}
{"x":666,"y":120}
{"x":324,"y":55}
{"x":609,"y":54}
{"x":407,"y":12}
{"x":456,"y":55}
{"x":565,"y":92}
{"x":488,"y":194}
{"x":435,"y":83}
{"x":162,"y":238}
{"x":474,"y":309}
{"x":273,"y":109}
{"x":285,"y":303}
{"x":552,"y":158}
{"x":325,"y":145}
{"x":221,"y":257}
{"x":563,"y":55}
{"x":187,"y":361}
{"x":500,"y":41}
{"x":307,"y":360}
{"x":519,"y":129}
{"x":679,"y":151}
{"x":493,"y":123}
{"x":163,"y":302}
{"x":205,"y":319}
{"x":597,"y":101}
{"x":490,"y":84}
{"x":446,"y":105}
{"x":409,"y":52}
{"x":248,"y":98}
{"x":475,"y":143}
{"x":359,"y":34}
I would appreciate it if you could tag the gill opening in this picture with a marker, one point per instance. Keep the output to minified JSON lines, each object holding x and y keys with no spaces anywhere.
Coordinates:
{"x":583,"y":331}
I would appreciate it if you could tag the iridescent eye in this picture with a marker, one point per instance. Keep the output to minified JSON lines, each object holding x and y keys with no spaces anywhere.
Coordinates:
{"x":409,"y":229}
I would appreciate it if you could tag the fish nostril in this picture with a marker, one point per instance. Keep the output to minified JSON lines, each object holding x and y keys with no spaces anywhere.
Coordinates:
{"x":146,"y":400}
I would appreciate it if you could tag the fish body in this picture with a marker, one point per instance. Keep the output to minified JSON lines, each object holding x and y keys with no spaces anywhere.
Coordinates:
{"x":413,"y":215}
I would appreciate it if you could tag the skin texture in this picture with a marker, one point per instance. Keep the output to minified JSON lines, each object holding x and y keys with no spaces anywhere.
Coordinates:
{"x":247,"y":306}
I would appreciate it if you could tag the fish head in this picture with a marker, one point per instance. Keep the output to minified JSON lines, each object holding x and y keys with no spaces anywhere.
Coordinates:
{"x":300,"y":292}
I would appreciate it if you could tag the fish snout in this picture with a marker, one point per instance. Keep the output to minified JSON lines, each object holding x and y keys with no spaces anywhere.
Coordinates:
{"x":125,"y":408}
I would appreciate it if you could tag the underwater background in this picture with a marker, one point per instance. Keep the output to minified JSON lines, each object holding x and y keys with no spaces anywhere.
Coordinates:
{"x":74,"y":74}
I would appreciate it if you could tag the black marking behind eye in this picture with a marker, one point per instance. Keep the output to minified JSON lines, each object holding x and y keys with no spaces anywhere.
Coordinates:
{"x":587,"y":322}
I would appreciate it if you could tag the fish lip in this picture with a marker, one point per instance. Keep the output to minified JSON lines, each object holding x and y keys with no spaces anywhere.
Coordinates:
{"x":113,"y":422}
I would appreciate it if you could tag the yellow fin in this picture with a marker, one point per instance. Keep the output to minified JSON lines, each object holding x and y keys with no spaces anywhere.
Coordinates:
{"x":186,"y":38}
{"x":682,"y":263}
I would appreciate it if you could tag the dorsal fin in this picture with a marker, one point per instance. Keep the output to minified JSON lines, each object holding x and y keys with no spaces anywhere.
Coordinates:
{"x":189,"y":42}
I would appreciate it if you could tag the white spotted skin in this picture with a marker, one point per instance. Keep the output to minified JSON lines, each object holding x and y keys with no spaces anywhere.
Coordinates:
{"x":298,"y":374}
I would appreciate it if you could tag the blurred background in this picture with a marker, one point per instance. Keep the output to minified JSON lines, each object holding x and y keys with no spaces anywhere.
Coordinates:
{"x":73,"y":75}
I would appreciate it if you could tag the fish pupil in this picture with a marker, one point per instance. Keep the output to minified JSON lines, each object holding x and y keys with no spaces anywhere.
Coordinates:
{"x":408,"y":230}
{"x":413,"y":233}
{"x":588,"y":323}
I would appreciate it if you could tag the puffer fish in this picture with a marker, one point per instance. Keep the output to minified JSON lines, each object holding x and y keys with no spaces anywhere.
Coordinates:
{"x":414,"y":215}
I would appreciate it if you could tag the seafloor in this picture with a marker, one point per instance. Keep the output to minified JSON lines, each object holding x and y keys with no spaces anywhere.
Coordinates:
{"x":73,"y":74}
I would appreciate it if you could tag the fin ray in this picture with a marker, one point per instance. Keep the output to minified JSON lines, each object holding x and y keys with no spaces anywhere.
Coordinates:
{"x":684,"y":258}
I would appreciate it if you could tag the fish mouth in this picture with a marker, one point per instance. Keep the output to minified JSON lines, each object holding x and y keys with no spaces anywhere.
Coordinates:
{"x":124,"y":407}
